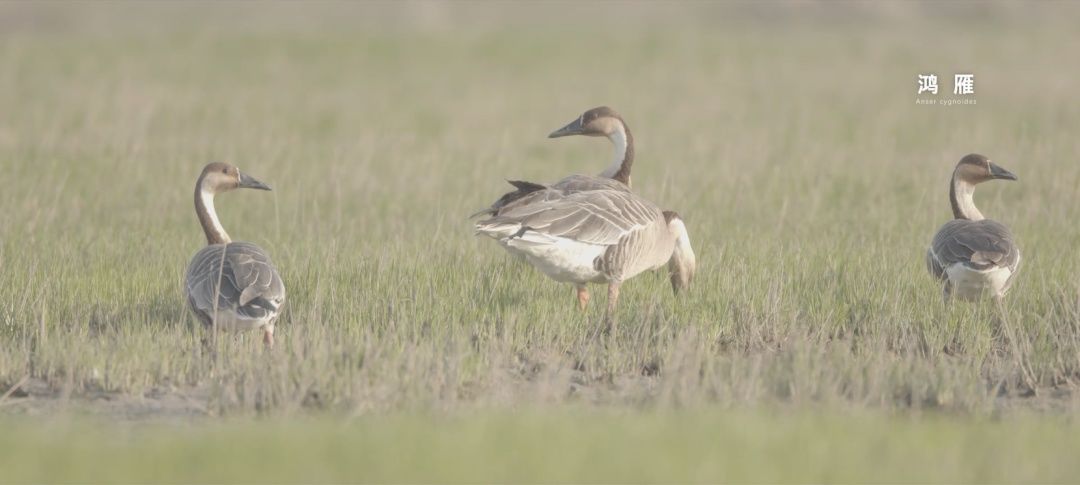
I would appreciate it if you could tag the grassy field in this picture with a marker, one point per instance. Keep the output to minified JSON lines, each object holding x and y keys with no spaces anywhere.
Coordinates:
{"x":563,"y":447}
{"x":786,"y":135}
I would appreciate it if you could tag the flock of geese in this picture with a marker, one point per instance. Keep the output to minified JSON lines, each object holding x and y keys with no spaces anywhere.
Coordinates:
{"x":581,"y":229}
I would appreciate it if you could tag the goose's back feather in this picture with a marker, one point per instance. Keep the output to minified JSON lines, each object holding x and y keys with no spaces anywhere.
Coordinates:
{"x":596,"y":235}
{"x":581,"y":183}
{"x":978,"y":244}
{"x":974,"y":256}
{"x":530,"y":192}
{"x":251,"y":292}
{"x":596,"y":217}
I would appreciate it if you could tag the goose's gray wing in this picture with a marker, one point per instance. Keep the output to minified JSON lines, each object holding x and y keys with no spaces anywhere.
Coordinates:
{"x":596,"y":217}
{"x":523,"y":190}
{"x":250,"y":285}
{"x":530,"y":192}
{"x":979,"y":245}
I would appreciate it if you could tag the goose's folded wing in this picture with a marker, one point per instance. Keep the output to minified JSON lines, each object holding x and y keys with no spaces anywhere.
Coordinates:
{"x":596,"y":217}
{"x":979,"y":244}
{"x":522,"y":190}
{"x":529,"y":192}
{"x":250,"y":286}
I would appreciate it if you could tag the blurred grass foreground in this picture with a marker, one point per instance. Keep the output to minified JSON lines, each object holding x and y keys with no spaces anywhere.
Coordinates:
{"x":579,"y":446}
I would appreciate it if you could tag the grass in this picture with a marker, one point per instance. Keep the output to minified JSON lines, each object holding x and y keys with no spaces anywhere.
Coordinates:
{"x":587,"y":446}
{"x":788,"y":138}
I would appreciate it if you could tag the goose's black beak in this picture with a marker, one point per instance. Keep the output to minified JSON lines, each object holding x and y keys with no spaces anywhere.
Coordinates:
{"x":249,"y":182}
{"x":574,"y":128}
{"x":1000,"y":173}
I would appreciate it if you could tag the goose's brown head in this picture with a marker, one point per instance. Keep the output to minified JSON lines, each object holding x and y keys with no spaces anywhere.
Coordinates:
{"x":976,"y":169}
{"x":602,"y":121}
{"x":218,"y":177}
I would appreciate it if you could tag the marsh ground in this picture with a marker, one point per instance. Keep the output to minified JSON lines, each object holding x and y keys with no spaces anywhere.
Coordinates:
{"x":787,"y":135}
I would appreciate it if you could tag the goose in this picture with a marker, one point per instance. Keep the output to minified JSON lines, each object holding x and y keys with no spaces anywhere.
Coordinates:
{"x":231,"y":285}
{"x":972,"y":255}
{"x":600,"y":121}
{"x":596,"y":236}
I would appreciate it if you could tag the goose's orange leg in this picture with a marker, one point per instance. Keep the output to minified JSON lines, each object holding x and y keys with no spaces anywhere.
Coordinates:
{"x":582,"y":297}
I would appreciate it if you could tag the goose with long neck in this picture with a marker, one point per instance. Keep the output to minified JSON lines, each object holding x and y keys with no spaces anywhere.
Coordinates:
{"x":973,"y":256}
{"x":231,"y":285}
{"x":602,"y":121}
{"x":596,"y":236}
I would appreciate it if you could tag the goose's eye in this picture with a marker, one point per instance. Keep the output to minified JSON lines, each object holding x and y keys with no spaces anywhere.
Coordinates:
{"x":225,"y":171}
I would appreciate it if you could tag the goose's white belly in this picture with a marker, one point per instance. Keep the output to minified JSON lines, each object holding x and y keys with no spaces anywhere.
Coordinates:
{"x":972,"y":284}
{"x":561,"y":259}
{"x":229,"y":321}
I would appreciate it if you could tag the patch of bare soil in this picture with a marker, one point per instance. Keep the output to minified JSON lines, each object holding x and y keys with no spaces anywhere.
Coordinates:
{"x":36,"y":398}
{"x":33,"y":397}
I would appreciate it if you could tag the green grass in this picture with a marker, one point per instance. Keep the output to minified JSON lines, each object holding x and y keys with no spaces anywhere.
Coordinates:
{"x":787,"y":137}
{"x":566,"y":447}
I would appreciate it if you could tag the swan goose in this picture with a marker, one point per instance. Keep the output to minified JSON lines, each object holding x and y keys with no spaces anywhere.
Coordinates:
{"x":595,"y":236}
{"x":600,"y":121}
{"x":231,"y":285}
{"x":974,"y":256}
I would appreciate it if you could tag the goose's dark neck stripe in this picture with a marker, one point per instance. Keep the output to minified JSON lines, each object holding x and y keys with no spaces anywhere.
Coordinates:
{"x":623,"y":174}
{"x":215,"y":234}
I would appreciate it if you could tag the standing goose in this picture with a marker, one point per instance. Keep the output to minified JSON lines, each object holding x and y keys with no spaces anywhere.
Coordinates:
{"x":231,"y":285}
{"x":971,"y":254}
{"x":601,"y":121}
{"x":596,"y":236}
